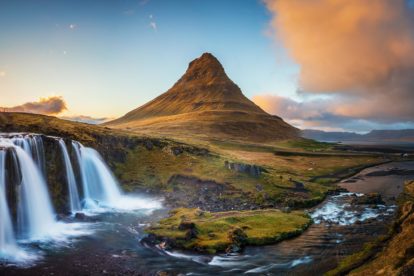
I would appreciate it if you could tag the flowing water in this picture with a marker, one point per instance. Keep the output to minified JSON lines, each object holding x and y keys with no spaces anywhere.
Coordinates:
{"x":36,"y":214}
{"x":74,"y":200}
{"x":36,"y":228}
{"x":7,"y":239}
{"x":117,"y":224}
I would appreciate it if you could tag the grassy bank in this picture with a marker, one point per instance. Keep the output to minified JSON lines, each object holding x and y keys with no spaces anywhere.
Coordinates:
{"x":218,"y":232}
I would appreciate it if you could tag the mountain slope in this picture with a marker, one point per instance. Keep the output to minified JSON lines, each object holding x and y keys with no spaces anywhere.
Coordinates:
{"x":205,"y":103}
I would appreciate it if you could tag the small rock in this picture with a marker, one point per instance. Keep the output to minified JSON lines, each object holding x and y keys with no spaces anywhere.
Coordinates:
{"x":148,"y":144}
{"x":80,"y":216}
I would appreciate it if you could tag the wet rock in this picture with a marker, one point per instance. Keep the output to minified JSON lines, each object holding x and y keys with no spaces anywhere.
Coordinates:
{"x":80,"y":216}
{"x":238,"y":240}
{"x":368,"y":199}
{"x":336,"y":191}
{"x":233,"y":248}
{"x":60,"y":216}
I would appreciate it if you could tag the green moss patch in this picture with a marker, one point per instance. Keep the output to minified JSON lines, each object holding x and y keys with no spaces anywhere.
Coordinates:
{"x":214,"y":232}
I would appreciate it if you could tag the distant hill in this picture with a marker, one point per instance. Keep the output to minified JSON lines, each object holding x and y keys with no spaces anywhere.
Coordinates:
{"x":205,"y":103}
{"x":404,"y":135}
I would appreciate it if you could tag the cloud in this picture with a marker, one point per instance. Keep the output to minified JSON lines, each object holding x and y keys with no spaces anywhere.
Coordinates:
{"x":326,"y":114}
{"x":152,"y":24}
{"x":87,"y":119}
{"x":2,"y":74}
{"x":358,"y":51}
{"x":48,"y":106}
{"x":73,"y":26}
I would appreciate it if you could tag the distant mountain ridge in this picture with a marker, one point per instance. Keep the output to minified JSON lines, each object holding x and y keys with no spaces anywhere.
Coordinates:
{"x":204,"y":102}
{"x":404,"y":135}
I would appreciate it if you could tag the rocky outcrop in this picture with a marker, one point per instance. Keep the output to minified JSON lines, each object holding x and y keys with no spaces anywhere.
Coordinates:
{"x":192,"y":192}
{"x":238,"y":239}
{"x":368,"y":199}
{"x":252,"y":170}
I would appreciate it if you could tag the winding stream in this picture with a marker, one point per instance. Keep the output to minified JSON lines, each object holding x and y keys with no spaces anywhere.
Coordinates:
{"x":113,"y":245}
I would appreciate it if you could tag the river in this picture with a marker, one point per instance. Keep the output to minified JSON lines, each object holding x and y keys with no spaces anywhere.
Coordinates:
{"x":112,"y":245}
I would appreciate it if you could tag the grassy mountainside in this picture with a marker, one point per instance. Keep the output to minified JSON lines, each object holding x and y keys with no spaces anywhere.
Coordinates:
{"x":205,"y":104}
{"x":196,"y":175}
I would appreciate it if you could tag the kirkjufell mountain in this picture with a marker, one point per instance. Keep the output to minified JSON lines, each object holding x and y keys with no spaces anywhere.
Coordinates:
{"x":206,"y":103}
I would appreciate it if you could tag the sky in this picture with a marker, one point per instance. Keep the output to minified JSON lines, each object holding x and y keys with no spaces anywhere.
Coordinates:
{"x":322,"y":64}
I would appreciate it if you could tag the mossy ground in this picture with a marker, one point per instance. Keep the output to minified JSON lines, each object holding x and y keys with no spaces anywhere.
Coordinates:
{"x":213,"y":230}
{"x":152,"y":170}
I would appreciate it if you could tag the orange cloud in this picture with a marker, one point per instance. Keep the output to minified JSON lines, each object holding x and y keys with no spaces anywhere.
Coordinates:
{"x":345,"y":45}
{"x":48,"y":106}
{"x":360,"y":52}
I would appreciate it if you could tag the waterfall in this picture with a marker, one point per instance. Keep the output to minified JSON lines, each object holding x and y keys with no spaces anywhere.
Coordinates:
{"x":74,"y":200}
{"x":33,"y":146}
{"x":38,"y":152}
{"x":8,"y":244}
{"x":76,"y":147}
{"x":98,"y":182}
{"x":101,"y":189}
{"x":35,"y":214}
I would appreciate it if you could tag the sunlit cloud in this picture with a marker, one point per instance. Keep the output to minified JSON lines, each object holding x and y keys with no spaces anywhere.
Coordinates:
{"x":328,"y":114}
{"x":2,"y":74}
{"x":47,"y":106}
{"x":358,"y":51}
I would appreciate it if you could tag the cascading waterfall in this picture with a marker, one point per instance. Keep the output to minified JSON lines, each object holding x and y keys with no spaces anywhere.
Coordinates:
{"x":36,"y":215}
{"x":38,"y":152}
{"x":98,"y":183}
{"x":74,"y":200}
{"x":8,"y":244}
{"x":101,"y":189}
{"x":33,"y":146}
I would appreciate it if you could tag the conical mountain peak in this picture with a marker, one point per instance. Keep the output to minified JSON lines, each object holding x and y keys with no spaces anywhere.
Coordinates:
{"x":204,"y":101}
{"x":206,"y":70}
